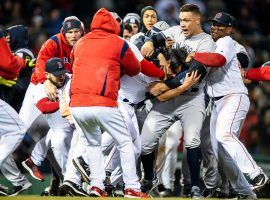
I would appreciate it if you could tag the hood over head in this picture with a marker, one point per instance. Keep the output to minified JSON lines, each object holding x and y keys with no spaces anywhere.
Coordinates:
{"x":104,"y":20}
{"x":18,"y":37}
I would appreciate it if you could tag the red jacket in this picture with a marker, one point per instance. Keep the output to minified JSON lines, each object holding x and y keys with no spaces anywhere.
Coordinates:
{"x":10,"y":65}
{"x":98,"y":60}
{"x":56,"y":46}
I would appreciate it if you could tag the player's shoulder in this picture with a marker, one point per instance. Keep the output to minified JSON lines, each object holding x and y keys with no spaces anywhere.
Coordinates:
{"x":205,"y":36}
{"x":225,"y":40}
{"x":239,"y":47}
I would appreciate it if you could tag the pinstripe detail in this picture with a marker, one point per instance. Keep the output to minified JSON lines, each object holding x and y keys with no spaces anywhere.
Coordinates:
{"x":124,"y":50}
{"x":243,"y":147}
{"x":108,"y":161}
{"x":124,"y":121}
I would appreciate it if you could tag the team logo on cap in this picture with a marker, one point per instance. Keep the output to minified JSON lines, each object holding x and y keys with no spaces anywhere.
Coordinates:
{"x":59,"y":65}
{"x":219,"y":15}
{"x":68,"y":24}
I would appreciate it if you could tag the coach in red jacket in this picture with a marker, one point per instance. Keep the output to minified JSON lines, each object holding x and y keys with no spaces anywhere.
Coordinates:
{"x":99,"y":58}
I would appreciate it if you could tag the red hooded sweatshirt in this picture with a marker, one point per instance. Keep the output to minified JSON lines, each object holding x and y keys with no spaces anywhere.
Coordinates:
{"x":98,"y":60}
{"x":56,"y":46}
{"x":10,"y":65}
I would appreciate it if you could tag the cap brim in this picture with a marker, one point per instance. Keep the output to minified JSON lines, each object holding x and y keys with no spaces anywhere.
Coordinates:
{"x":58,"y":73}
{"x":216,"y":21}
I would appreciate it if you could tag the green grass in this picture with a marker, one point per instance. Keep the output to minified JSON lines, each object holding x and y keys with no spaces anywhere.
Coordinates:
{"x":34,"y":197}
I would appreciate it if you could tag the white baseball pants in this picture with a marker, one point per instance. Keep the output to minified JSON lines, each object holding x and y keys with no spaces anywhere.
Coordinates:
{"x":110,"y":119}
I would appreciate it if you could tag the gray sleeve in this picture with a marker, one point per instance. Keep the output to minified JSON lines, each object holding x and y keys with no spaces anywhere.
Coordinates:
{"x":207,"y":44}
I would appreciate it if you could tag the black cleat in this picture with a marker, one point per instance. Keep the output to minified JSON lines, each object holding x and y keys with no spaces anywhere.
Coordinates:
{"x":222,"y":195}
{"x":18,"y":189}
{"x":167,"y":193}
{"x":3,"y":190}
{"x":71,"y":189}
{"x":259,"y":181}
{"x":147,"y":186}
{"x":82,"y":167}
{"x":207,"y":193}
{"x":186,"y":192}
{"x":54,"y":188}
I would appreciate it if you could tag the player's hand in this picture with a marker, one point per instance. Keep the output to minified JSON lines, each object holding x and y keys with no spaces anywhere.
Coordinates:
{"x":8,"y":83}
{"x":243,"y":74}
{"x":169,"y":42}
{"x":191,"y":79}
{"x":50,"y":90}
{"x":167,"y":71}
{"x":157,"y":88}
{"x":147,"y":49}
{"x":190,"y":56}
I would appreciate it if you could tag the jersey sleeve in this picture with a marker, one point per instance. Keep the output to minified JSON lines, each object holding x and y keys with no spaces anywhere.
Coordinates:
{"x":136,"y":51}
{"x":10,"y":65}
{"x":207,"y":44}
{"x":258,"y":74}
{"x":226,"y":48}
{"x":39,"y":92}
{"x":42,"y":102}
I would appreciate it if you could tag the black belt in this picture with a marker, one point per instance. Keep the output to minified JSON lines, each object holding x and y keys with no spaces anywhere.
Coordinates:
{"x":217,"y":98}
{"x":133,"y":104}
{"x":127,"y":101}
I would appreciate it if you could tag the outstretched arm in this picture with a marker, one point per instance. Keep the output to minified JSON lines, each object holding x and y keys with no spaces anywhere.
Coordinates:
{"x":258,"y":74}
{"x":190,"y":80}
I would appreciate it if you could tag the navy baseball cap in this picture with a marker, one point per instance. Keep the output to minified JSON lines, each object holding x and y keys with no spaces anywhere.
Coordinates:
{"x":55,"y":66}
{"x":223,"y":18}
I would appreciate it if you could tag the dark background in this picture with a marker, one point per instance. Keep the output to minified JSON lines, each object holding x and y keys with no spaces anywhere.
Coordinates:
{"x":44,"y":18}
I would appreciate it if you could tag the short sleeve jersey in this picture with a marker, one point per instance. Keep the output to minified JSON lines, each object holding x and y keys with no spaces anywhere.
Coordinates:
{"x":227,"y":79}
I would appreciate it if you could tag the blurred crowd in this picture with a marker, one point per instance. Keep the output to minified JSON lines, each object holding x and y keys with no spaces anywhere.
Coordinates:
{"x":44,"y":19}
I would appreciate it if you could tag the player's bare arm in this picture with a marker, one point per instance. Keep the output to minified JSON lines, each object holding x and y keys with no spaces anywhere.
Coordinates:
{"x":243,"y":74}
{"x":190,"y":81}
{"x":157,"y":88}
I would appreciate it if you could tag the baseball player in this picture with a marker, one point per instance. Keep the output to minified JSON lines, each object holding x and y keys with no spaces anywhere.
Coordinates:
{"x":231,"y":105}
{"x":60,"y":140}
{"x":127,"y":98}
{"x":59,"y":45}
{"x":211,"y":175}
{"x":13,"y":129}
{"x":93,"y":103}
{"x":17,"y":38}
{"x":190,"y":36}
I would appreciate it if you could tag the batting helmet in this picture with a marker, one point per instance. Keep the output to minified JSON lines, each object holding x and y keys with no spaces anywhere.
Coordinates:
{"x":195,"y":65}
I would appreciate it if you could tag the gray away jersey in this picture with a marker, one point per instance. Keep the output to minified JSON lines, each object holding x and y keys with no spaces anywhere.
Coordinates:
{"x":201,"y":42}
